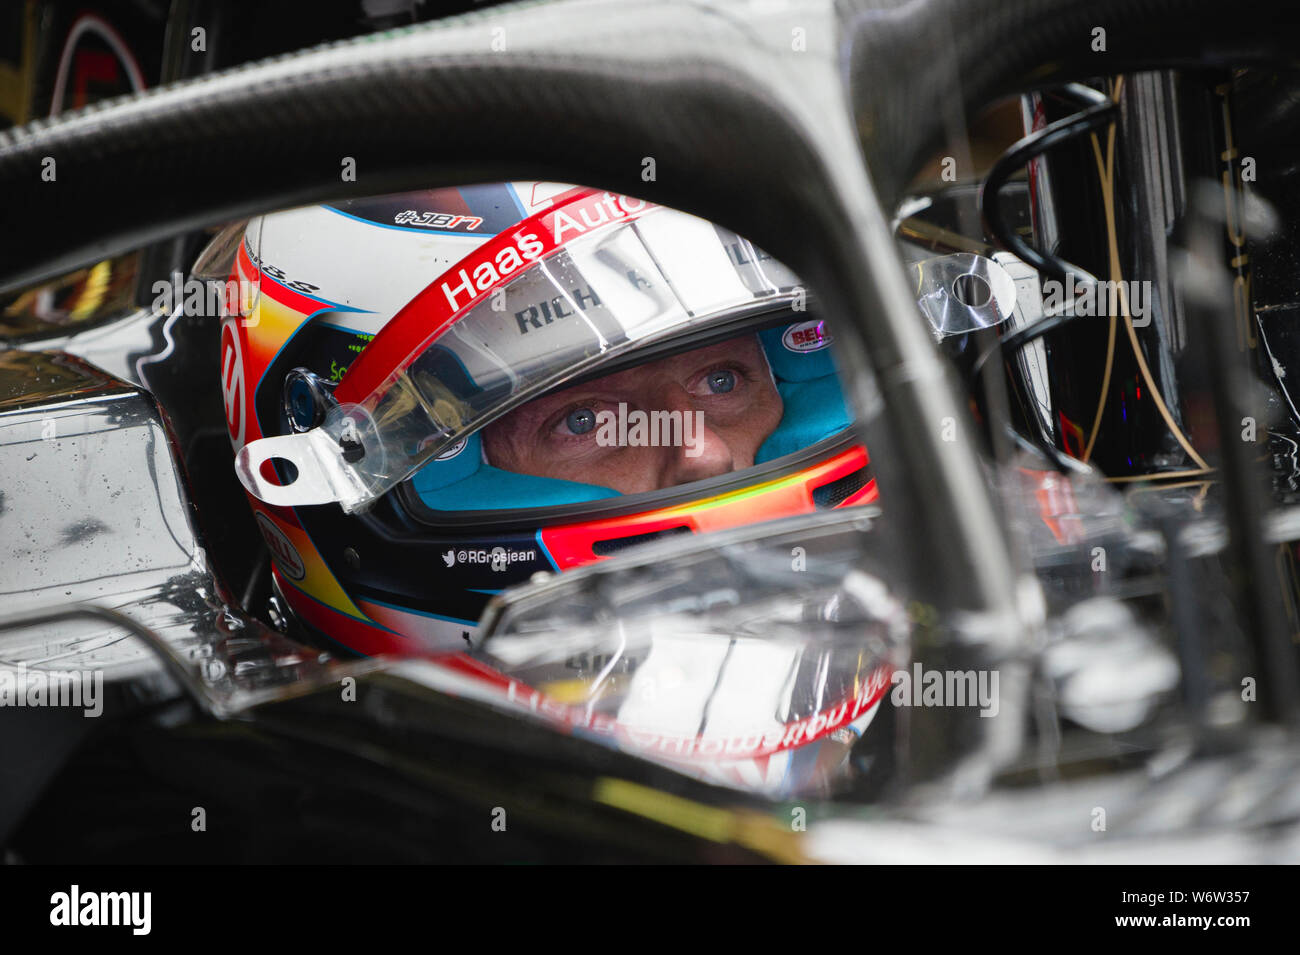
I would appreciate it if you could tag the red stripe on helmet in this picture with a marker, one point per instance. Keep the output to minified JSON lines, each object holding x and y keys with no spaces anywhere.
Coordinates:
{"x":453,"y":293}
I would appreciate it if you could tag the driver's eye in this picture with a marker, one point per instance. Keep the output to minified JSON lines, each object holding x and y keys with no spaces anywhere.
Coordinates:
{"x":580,"y":420}
{"x":721,"y":381}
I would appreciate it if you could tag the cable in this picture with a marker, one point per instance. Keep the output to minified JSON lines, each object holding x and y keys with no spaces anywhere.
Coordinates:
{"x":1014,"y":342}
{"x":1023,"y":336}
{"x":1099,"y":110}
{"x":1105,"y":173}
{"x":1117,"y":277}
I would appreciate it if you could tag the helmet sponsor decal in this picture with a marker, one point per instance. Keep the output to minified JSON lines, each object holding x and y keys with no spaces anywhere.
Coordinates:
{"x":436,"y":220}
{"x":283,"y":552}
{"x":427,"y":315}
{"x":498,"y":558}
{"x":232,"y":384}
{"x":298,"y":285}
{"x":547,"y":311}
{"x":835,"y":715}
{"x":454,"y":450}
{"x":806,"y":337}
{"x":487,"y":272}
{"x":481,"y":210}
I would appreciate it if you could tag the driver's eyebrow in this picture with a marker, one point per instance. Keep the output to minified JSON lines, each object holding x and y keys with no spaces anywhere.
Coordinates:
{"x":549,"y":403}
{"x":530,"y":415}
{"x":528,"y":418}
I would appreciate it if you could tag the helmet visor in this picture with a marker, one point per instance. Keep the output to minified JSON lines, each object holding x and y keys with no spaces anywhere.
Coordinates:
{"x":562,"y":295}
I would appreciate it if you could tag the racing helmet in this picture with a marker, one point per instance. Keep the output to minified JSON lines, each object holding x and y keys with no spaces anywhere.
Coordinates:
{"x":378,"y":340}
